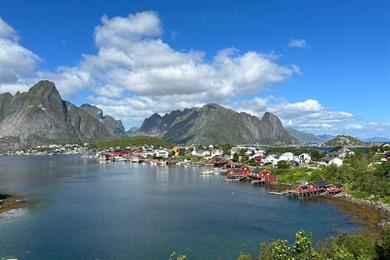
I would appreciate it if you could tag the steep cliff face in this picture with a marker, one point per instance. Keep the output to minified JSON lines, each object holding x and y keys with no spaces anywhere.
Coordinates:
{"x":115,"y":127}
{"x":40,"y":116}
{"x":5,"y":101}
{"x":215,"y":124}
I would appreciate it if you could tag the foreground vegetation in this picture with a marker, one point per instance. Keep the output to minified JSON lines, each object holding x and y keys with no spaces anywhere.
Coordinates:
{"x":344,"y":246}
{"x":134,"y":141}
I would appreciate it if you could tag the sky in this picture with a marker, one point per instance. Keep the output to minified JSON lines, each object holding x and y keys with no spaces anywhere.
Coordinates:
{"x":321,"y":66}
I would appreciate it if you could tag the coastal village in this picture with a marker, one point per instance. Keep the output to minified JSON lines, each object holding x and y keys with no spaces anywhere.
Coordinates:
{"x":253,"y":164}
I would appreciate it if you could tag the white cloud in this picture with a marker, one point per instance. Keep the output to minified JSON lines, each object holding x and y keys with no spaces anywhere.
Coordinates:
{"x":6,"y":31}
{"x":133,"y":59}
{"x":298,"y":43}
{"x":307,"y":115}
{"x":16,"y":62}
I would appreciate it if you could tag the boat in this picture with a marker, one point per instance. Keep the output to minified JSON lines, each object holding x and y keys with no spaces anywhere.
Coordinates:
{"x":234,"y":179}
{"x":135,"y":160}
{"x":217,"y":171}
{"x":205,"y":173}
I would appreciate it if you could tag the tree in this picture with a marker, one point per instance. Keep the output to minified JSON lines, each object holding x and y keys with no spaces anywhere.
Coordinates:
{"x":283,"y":165}
{"x":303,"y":248}
{"x":382,"y":247}
{"x":244,"y":256}
{"x":235,"y":157}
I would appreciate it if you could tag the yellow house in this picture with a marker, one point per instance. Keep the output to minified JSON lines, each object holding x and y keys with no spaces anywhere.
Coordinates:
{"x":175,"y":151}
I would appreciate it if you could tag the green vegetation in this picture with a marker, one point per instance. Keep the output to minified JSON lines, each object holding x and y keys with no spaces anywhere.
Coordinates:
{"x":361,"y":177}
{"x":344,"y":246}
{"x":174,"y":256}
{"x":342,"y":140}
{"x":134,"y":140}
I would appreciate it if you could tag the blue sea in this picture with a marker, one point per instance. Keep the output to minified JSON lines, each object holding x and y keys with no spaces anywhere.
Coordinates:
{"x":87,"y":210}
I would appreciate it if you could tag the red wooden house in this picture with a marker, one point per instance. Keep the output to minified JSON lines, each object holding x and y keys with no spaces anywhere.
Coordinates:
{"x":263,"y":175}
{"x":334,"y":188}
{"x":245,"y":170}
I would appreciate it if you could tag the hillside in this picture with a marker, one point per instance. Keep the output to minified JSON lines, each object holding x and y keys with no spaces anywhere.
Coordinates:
{"x":214,"y":124}
{"x":343,"y":140}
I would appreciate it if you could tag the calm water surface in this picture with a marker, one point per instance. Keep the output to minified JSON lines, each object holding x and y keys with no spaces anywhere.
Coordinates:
{"x":88,"y":210}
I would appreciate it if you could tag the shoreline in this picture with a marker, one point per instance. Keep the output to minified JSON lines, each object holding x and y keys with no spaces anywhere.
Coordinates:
{"x":11,"y":201}
{"x":372,"y":215}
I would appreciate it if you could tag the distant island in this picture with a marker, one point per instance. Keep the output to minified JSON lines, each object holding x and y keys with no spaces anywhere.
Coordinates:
{"x":343,"y":140}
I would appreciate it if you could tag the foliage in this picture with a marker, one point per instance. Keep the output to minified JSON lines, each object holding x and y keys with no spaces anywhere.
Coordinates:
{"x":283,"y":165}
{"x":244,"y":256}
{"x":382,"y":247}
{"x":226,"y":148}
{"x":280,"y":250}
{"x":344,"y":246}
{"x":178,"y":257}
{"x":134,"y":140}
{"x":347,"y":246}
{"x":235,"y":157}
{"x":359,"y":175}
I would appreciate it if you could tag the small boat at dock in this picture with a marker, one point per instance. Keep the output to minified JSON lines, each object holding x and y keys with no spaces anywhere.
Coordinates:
{"x":276,"y":193}
{"x":233,"y":179}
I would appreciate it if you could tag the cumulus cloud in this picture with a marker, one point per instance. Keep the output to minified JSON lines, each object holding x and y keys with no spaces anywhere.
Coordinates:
{"x":16,"y":62}
{"x":307,"y":115}
{"x":298,"y":43}
{"x":133,"y":59}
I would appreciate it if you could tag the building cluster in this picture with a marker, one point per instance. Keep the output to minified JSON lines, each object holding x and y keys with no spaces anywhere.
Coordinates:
{"x":52,"y":149}
{"x":336,"y":156}
{"x":134,"y":154}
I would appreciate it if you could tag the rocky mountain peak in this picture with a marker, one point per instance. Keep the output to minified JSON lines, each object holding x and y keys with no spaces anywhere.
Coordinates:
{"x":212,"y":106}
{"x":213,"y":123}
{"x":270,"y":117}
{"x":115,"y":127}
{"x":44,"y":88}
{"x":40,"y":116}
{"x":93,"y":110}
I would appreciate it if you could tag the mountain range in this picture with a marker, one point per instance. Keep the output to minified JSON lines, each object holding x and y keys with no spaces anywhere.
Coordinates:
{"x":308,"y":138}
{"x":214,"y":124}
{"x":40,"y":116}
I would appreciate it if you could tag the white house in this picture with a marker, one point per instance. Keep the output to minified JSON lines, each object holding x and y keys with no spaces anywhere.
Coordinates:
{"x":200,"y":153}
{"x":271,"y":159}
{"x":336,"y":161}
{"x":304,"y":158}
{"x":216,"y":152}
{"x":288,"y":156}
{"x":162,"y":153}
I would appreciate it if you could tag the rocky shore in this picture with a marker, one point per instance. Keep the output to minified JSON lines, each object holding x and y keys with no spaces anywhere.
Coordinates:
{"x":373,"y":216}
{"x":9,"y":202}
{"x":382,"y":209}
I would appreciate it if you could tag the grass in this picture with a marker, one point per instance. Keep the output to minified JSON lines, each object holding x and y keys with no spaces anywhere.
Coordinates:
{"x":359,"y":194}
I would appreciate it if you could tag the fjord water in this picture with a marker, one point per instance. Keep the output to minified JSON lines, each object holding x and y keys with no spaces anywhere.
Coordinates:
{"x":86,"y":210}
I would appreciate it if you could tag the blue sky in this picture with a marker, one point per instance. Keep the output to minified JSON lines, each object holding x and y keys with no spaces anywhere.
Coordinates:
{"x":322,"y":66}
